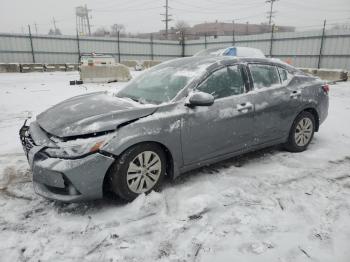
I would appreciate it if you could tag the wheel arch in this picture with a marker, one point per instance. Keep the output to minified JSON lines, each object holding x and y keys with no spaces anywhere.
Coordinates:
{"x":314,"y":112}
{"x":170,"y":170}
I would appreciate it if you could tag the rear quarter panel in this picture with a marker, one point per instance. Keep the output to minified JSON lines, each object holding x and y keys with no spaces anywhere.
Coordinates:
{"x":312,"y":96}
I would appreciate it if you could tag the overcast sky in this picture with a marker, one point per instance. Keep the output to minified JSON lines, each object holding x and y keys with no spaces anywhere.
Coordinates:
{"x":144,"y":15}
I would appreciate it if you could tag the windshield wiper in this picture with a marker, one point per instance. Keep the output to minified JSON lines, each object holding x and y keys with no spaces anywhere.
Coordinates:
{"x":133,"y":98}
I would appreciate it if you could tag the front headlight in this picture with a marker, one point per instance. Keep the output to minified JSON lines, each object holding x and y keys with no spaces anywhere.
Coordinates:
{"x":78,"y":147}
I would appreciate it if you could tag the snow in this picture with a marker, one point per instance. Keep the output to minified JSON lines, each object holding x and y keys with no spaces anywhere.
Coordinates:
{"x":270,"y":205}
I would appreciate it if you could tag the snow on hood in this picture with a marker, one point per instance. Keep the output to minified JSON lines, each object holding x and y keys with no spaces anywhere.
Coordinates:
{"x":90,"y":113}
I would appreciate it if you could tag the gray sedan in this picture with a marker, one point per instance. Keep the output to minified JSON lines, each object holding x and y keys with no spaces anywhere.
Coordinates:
{"x":175,"y":117}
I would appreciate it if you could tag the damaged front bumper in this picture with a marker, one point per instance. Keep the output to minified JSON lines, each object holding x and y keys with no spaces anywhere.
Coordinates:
{"x":67,"y":180}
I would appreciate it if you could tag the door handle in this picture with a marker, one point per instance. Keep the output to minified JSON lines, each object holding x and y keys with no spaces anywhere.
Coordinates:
{"x":244,"y":107}
{"x":295,"y":94}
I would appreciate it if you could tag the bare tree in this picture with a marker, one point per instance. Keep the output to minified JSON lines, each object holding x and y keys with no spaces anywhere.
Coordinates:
{"x":117,"y":27}
{"x":341,"y":26}
{"x":182,"y":26}
{"x":56,"y":31}
{"x":101,"y":31}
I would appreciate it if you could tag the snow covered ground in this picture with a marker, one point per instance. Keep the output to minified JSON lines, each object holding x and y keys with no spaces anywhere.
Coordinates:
{"x":269,"y":205}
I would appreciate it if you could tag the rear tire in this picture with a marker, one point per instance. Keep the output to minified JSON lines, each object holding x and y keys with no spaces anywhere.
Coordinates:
{"x":301,"y":132}
{"x":140,"y":169}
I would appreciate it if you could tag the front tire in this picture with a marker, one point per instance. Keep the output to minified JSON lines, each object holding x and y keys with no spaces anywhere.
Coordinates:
{"x":140,"y":169}
{"x":301,"y":132}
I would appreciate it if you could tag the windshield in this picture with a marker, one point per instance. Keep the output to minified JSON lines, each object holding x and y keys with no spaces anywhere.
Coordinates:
{"x":157,"y":85}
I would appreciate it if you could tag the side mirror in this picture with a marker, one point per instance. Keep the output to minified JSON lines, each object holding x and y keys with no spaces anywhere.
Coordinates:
{"x":200,"y":99}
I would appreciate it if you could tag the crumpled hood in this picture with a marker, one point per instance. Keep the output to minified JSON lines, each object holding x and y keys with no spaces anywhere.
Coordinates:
{"x":90,"y":113}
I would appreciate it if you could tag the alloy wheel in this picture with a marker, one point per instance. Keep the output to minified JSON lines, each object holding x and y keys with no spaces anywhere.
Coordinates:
{"x":143,"y":172}
{"x":303,"y":131}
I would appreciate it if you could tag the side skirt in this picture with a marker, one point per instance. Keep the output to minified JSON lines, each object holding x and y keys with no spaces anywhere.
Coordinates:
{"x":217,"y":159}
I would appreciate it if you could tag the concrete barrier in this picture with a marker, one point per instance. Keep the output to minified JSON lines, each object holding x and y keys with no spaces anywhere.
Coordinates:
{"x":32,"y":68}
{"x":150,"y":63}
{"x":104,"y":73}
{"x":332,"y":74}
{"x":55,"y":67}
{"x":328,"y":74}
{"x":310,"y":71}
{"x":129,"y":63}
{"x":72,"y":67}
{"x":9,"y":68}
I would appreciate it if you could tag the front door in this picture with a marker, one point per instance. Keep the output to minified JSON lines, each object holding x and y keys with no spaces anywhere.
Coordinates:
{"x":224,"y":127}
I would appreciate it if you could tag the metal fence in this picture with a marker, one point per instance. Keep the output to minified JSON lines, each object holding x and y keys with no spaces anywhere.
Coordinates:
{"x":326,"y":49}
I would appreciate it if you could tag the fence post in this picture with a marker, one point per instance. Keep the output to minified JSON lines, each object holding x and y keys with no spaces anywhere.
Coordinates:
{"x":118,"y":45}
{"x":183,"y":43}
{"x":31,"y":44}
{"x":233,"y":32}
{"x":321,"y":45}
{"x":78,"y":46}
{"x":271,"y":39}
{"x":152,"y":54}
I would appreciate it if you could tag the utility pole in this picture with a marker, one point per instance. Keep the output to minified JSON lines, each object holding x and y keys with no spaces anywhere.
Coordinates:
{"x":166,"y":18}
{"x":36,"y":28}
{"x":271,"y":12}
{"x":54,"y":24}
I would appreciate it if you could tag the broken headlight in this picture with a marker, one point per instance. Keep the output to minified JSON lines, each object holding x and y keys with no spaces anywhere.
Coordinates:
{"x":77,"y":148}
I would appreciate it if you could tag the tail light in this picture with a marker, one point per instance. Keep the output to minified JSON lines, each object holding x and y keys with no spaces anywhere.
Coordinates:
{"x":325,"y":88}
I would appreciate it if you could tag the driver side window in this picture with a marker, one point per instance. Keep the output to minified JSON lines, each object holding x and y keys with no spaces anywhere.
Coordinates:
{"x":223,"y":83}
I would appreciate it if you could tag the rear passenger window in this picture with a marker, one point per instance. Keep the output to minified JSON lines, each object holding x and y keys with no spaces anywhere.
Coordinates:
{"x":264,"y":75}
{"x":223,"y":83}
{"x":285,"y":76}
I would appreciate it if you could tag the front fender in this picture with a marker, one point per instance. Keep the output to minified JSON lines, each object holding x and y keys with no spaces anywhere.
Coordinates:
{"x":165,"y":131}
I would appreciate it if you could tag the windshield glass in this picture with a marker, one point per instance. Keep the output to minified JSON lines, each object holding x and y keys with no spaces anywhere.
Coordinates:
{"x":157,"y":86}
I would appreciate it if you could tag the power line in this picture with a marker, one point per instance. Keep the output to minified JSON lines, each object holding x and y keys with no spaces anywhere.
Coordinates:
{"x":297,"y":6}
{"x":130,"y":6}
{"x":218,"y":7}
{"x":213,"y":12}
{"x":125,"y":10}
{"x":261,"y":14}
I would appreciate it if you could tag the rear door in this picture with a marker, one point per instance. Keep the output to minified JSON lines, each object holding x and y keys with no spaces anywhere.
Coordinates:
{"x":224,"y":127}
{"x":274,"y":107}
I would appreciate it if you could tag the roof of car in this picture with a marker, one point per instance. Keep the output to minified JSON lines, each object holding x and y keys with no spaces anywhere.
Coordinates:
{"x":208,"y":61}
